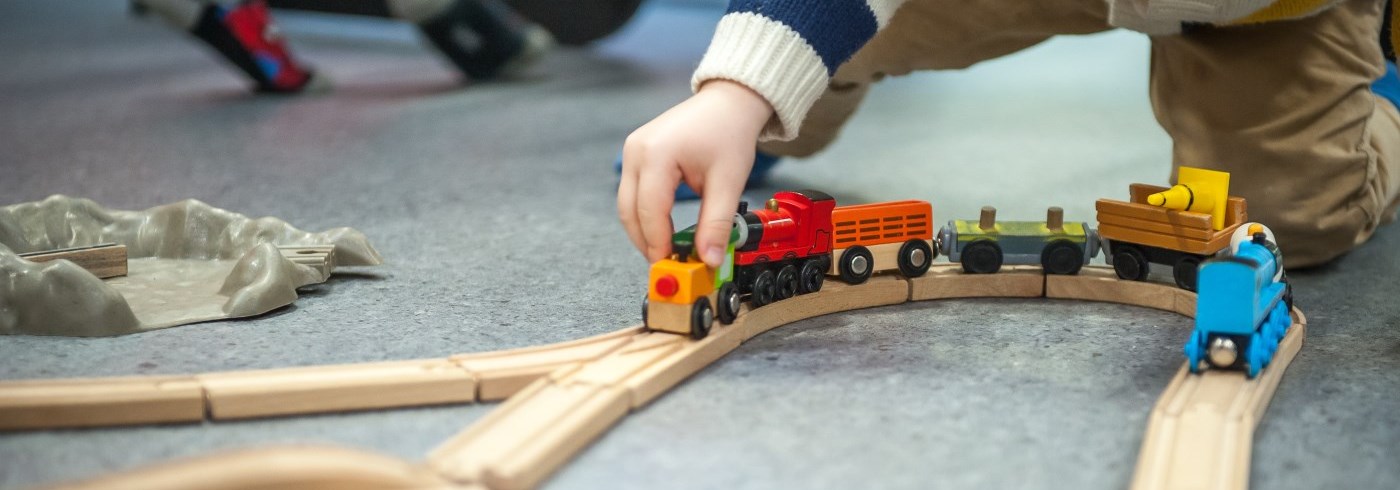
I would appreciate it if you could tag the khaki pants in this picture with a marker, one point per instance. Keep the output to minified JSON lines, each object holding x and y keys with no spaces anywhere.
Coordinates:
{"x":1285,"y":107}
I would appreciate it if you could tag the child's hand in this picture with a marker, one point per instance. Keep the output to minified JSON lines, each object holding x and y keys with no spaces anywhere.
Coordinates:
{"x":709,"y":141}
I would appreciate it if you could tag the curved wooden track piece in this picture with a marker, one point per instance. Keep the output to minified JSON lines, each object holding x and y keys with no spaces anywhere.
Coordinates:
{"x":566,"y":395}
{"x":276,"y":468}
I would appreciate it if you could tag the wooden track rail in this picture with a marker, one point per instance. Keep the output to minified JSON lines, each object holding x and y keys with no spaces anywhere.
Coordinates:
{"x":276,"y":468}
{"x":561,"y":397}
{"x":1201,"y":432}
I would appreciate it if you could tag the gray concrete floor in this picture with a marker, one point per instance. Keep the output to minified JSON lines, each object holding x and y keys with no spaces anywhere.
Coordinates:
{"x":493,"y":205}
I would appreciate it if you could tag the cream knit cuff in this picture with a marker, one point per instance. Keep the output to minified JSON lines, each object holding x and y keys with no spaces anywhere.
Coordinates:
{"x":771,"y":59}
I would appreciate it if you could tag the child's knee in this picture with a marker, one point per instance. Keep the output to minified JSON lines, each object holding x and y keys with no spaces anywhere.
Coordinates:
{"x":1310,"y":236}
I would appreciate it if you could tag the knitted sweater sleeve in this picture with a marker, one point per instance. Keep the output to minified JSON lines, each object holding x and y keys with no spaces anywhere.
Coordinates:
{"x":787,"y":50}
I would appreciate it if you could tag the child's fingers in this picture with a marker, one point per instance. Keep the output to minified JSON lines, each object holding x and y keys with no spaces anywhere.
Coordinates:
{"x":627,"y":197}
{"x":656,"y":193}
{"x":721,"y":192}
{"x":627,"y":210}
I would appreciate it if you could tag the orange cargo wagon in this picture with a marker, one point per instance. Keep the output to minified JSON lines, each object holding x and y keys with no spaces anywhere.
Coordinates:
{"x":869,"y":238}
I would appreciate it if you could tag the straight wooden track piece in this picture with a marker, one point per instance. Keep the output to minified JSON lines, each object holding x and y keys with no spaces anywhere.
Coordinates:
{"x":104,"y":260}
{"x":1102,"y":284}
{"x":1201,"y":432}
{"x":276,"y":468}
{"x":530,"y":435}
{"x":47,"y":404}
{"x":319,"y":389}
{"x":502,"y":373}
{"x":945,"y":281}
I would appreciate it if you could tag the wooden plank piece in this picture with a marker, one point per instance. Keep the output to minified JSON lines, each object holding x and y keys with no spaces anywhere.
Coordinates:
{"x":49,"y":404}
{"x":1143,"y":212}
{"x":1154,"y":227}
{"x":945,"y":281}
{"x":1235,"y":209}
{"x":104,"y":260}
{"x":318,"y":389}
{"x":1102,"y":284}
{"x":1189,"y":245}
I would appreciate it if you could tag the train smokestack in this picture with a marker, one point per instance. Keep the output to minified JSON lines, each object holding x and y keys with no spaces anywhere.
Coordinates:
{"x":989,"y":219}
{"x":1055,"y":218}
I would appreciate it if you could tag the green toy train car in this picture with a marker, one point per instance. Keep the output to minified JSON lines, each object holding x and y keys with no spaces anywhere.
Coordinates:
{"x":983,"y":246}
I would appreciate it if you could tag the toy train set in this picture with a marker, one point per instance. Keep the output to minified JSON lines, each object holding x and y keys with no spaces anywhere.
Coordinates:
{"x":798,"y":238}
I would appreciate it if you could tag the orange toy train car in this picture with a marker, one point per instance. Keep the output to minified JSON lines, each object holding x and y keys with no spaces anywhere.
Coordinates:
{"x":870,"y":238}
{"x":782,"y":250}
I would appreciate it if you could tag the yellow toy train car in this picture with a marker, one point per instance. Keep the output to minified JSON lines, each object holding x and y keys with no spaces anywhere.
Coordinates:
{"x":685,"y":296}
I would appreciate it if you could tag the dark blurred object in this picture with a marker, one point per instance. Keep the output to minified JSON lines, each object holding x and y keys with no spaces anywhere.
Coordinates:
{"x":577,"y":22}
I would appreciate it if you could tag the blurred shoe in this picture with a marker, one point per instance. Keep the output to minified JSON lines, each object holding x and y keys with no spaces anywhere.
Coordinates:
{"x":248,"y":38}
{"x":485,"y":39}
{"x":245,"y":35}
{"x":763,"y":163}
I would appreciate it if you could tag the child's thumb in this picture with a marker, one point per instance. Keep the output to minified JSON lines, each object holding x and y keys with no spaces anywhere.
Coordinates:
{"x":712,"y":232}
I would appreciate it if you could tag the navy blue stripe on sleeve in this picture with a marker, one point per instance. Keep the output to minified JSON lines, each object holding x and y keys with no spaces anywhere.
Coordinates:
{"x":834,"y":28}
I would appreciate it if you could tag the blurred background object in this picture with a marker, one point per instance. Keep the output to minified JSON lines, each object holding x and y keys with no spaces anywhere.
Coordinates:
{"x":484,"y":39}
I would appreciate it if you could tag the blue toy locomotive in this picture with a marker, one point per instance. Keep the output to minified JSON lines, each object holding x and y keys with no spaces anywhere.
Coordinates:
{"x":1242,"y":305}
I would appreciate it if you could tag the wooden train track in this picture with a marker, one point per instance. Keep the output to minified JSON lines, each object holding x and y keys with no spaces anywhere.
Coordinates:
{"x":561,"y":397}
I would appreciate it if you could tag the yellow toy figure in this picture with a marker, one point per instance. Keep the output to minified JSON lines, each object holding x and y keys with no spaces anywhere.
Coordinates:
{"x":1197,"y":190}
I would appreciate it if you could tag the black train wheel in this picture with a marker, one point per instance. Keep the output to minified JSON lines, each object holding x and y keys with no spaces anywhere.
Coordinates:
{"x":915,"y":257}
{"x":787,"y":282}
{"x":763,"y":289}
{"x":728,"y":308}
{"x":812,"y":276}
{"x":856,"y":265}
{"x":701,"y":317}
{"x":982,"y":257}
{"x":645,"y":302}
{"x":1062,"y":257}
{"x":1184,"y":272}
{"x":1129,"y":263}
{"x":1288,"y":297}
